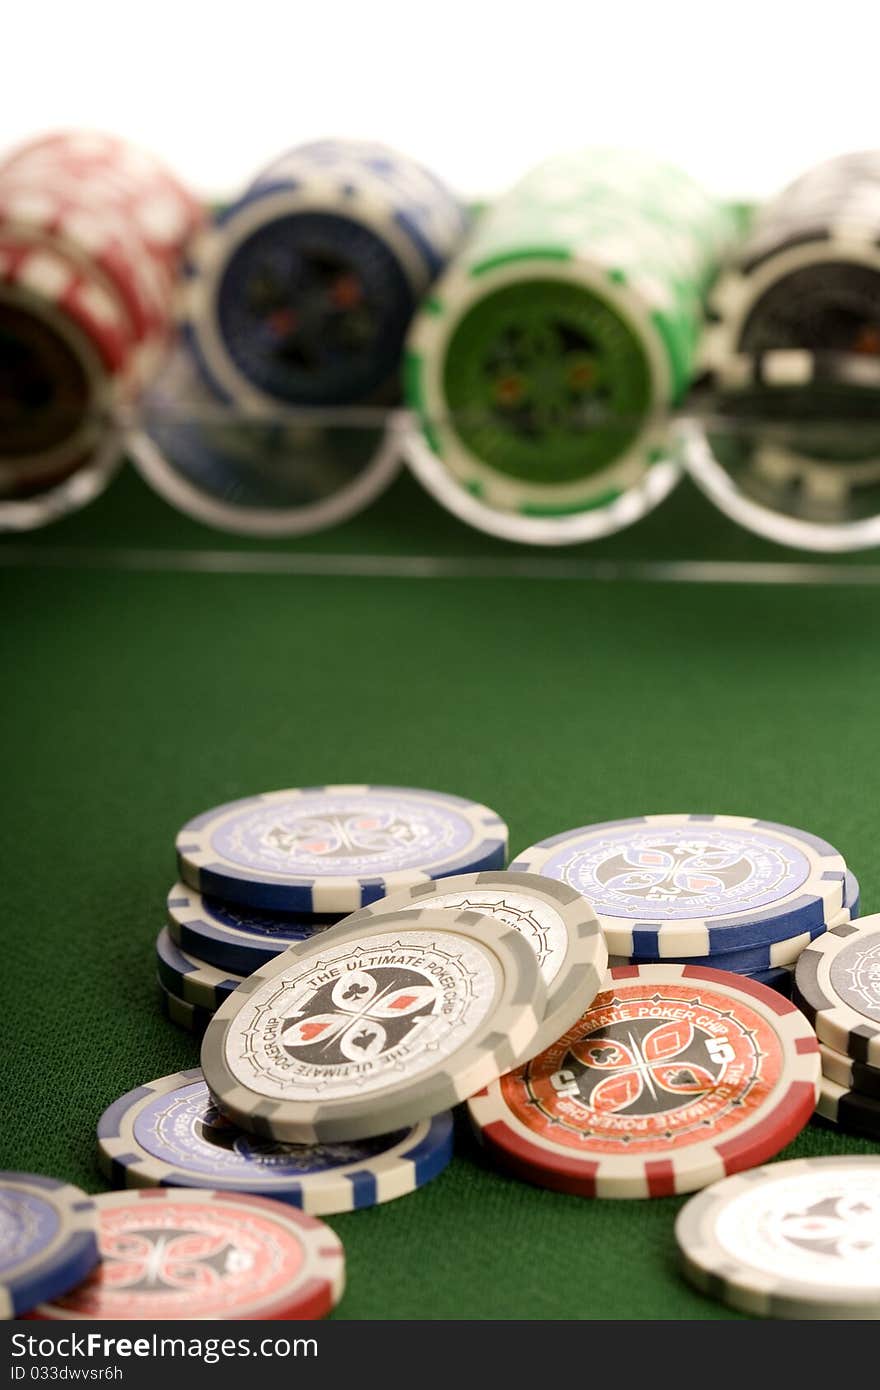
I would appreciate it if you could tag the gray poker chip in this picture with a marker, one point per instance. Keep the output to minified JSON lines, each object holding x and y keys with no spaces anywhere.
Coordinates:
{"x":837,"y":984}
{"x":848,"y":1110}
{"x":556,"y":920}
{"x":374,"y":1027}
{"x":852,"y":1076}
{"x":193,"y":1017}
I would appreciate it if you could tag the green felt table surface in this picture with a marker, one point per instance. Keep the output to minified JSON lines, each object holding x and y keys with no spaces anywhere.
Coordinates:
{"x":138,"y":691}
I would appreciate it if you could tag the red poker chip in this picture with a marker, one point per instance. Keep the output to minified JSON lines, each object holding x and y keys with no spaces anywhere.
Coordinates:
{"x":676,"y":1076}
{"x":175,"y":1253}
{"x":71,"y":350}
{"x":162,"y":209}
{"x":50,"y":279}
{"x":69,"y":218}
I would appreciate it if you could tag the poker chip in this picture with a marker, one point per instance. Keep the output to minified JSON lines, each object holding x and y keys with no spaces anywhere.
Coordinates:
{"x":696,"y":885}
{"x":779,"y":977}
{"x":334,"y":849}
{"x":85,"y":315}
{"x":744,"y":962}
{"x":837,"y":984}
{"x":48,"y":1240}
{"x":793,"y":355}
{"x":772,"y":964}
{"x":94,"y":238}
{"x":172,"y":1253}
{"x":232,"y":938}
{"x":193,"y":1017}
{"x":192,"y":980}
{"x":793,"y":1240}
{"x":68,"y":346}
{"x":293,"y":316}
{"x":558,"y":924}
{"x":852,"y":1076}
{"x":799,"y":300}
{"x":849,"y":1110}
{"x":542,"y":366}
{"x":852,"y":895}
{"x":301,"y":293}
{"x":160,"y":210}
{"x":374,"y":1027}
{"x":168,"y":1133}
{"x":676,"y":1076}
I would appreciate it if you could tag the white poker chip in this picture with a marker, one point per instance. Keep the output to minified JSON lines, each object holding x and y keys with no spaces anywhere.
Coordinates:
{"x":799,"y":1239}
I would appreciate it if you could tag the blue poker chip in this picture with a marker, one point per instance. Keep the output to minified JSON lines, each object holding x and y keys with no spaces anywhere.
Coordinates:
{"x":234,"y":939}
{"x":746,"y":962}
{"x":335,"y":849}
{"x":168,"y":1133}
{"x":424,"y":209}
{"x":302,"y":293}
{"x":313,"y":309}
{"x":48,"y":1240}
{"x":770,"y":956}
{"x":683,"y":886}
{"x":191,"y":979}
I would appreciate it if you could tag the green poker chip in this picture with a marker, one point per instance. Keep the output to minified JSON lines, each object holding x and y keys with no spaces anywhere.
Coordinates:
{"x":542,"y":368}
{"x":547,"y":382}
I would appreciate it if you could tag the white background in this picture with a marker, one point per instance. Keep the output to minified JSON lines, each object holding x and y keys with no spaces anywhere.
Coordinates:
{"x":744,"y":95}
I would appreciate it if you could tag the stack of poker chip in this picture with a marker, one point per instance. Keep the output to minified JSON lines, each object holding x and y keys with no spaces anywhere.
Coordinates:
{"x":837,"y":986}
{"x":328,"y":1073}
{"x":542,"y":367}
{"x":91,"y":236}
{"x":289,"y":865}
{"x":294,"y":314}
{"x":795,"y":349}
{"x":724,"y":892}
{"x":276,"y":870}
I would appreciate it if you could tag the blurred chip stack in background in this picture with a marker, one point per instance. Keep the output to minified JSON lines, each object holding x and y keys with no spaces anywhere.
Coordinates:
{"x":543,"y":367}
{"x":794,"y":357}
{"x":295,"y":310}
{"x":91,"y":236}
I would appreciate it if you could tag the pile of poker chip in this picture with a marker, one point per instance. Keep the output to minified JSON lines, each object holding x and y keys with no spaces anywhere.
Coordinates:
{"x":390,"y":967}
{"x":92,"y":231}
